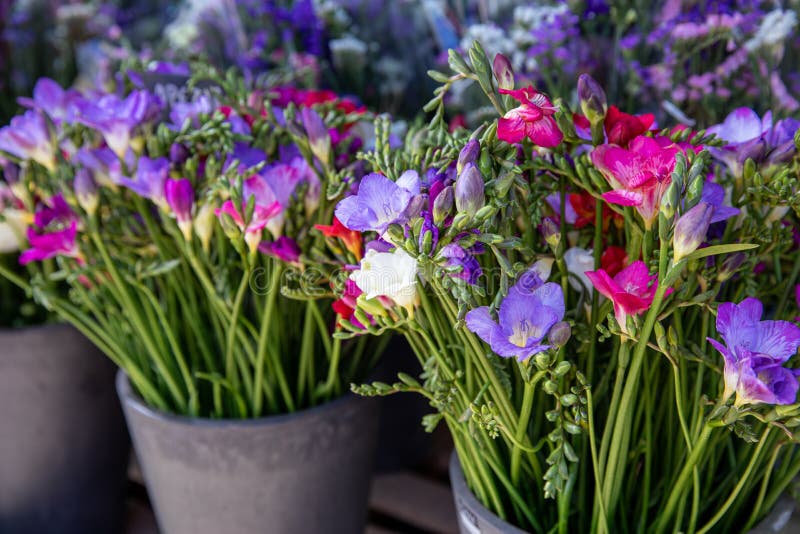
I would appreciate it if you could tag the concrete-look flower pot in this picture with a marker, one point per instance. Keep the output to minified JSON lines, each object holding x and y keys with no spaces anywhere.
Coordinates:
{"x":474,"y":518}
{"x":64,"y":447}
{"x":302,"y":473}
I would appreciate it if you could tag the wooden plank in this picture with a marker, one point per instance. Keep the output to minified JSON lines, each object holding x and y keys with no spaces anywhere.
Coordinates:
{"x":415,"y":500}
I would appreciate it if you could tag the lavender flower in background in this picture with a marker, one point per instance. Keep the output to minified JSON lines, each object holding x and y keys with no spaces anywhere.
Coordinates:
{"x":525,"y":317}
{"x":754,"y":353}
{"x":28,"y":137}
{"x":54,"y":101}
{"x":115,"y":118}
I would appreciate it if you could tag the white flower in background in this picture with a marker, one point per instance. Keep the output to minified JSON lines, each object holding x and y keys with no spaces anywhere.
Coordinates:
{"x":12,"y":231}
{"x":579,"y":260}
{"x":394,"y":76}
{"x":388,"y":274}
{"x":332,"y":13}
{"x":775,"y":27}
{"x":493,"y":39}
{"x":349,"y":52}
{"x":532,"y":17}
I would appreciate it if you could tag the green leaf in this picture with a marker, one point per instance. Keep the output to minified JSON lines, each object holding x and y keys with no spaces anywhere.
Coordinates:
{"x":719,"y":249}
{"x":439,"y":76}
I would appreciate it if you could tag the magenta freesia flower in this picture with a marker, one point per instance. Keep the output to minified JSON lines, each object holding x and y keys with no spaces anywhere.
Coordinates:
{"x":631,"y":290}
{"x":533,"y":119}
{"x":115,"y":118}
{"x":525,"y":316}
{"x":379,"y":202}
{"x":754,"y":353}
{"x":180,"y":198}
{"x":29,"y":138}
{"x":284,"y":248}
{"x":55,"y":233}
{"x":639,"y":175}
{"x":274,"y":184}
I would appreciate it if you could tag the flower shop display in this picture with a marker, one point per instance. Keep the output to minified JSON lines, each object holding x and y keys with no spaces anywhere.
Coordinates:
{"x":604,"y":308}
{"x":197,"y":244}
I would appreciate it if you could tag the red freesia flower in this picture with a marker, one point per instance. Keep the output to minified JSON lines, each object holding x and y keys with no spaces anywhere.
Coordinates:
{"x":350,"y":238}
{"x":532,"y":119}
{"x":584,"y":205}
{"x":621,"y":127}
{"x":613,"y":260}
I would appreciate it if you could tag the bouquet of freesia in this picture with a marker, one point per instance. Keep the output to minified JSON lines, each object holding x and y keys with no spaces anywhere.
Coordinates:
{"x":196,"y":239}
{"x":604,"y":311}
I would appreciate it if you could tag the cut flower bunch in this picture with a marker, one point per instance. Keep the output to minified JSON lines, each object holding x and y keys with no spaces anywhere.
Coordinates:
{"x":604,"y":309}
{"x":173,"y":234}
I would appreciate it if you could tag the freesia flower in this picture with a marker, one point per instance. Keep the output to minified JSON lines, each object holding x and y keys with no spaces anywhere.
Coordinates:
{"x":54,"y":233}
{"x":532,"y":119}
{"x":254,"y":229}
{"x":613,"y":260}
{"x":352,"y":239}
{"x":115,"y":118}
{"x":457,"y":257}
{"x":345,"y":306}
{"x":180,"y":198}
{"x":28,"y":137}
{"x":525,"y":317}
{"x":621,"y":128}
{"x":55,"y":102}
{"x":284,"y":248}
{"x":150,"y":179}
{"x":379,"y":202}
{"x":389,"y":274}
{"x":754,"y":353}
{"x":579,"y":260}
{"x":318,"y":137}
{"x":631,"y":290}
{"x":469,"y":191}
{"x":638,"y":175}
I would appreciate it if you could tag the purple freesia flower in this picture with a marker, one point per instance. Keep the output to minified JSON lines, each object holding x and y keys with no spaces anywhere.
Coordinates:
{"x":525,"y":317}
{"x":379,"y":202}
{"x":714,"y":194}
{"x":181,"y":111}
{"x":754,"y":353}
{"x":284,"y":248}
{"x":51,"y":99}
{"x":470,"y":269}
{"x":104,"y":164}
{"x":29,"y":138}
{"x":180,"y":198}
{"x":150,"y":179}
{"x":115,"y":118}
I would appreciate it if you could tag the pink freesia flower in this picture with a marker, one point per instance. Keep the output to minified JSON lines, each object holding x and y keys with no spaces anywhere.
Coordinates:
{"x":253,"y":230}
{"x":631,"y":290}
{"x":639,"y":175}
{"x":532,"y":119}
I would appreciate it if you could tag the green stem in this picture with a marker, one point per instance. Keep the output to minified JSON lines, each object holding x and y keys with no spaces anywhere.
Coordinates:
{"x":261,"y":351}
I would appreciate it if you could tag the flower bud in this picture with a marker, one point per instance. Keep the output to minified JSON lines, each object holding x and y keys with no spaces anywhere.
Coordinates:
{"x":178,"y":153}
{"x":442,"y":205}
{"x":469,"y":191}
{"x":691,"y":228}
{"x":731,"y":265}
{"x":204,"y":225}
{"x":560,"y":334}
{"x":669,"y":201}
{"x":468,"y":154}
{"x":86,"y":191}
{"x":503,"y":72}
{"x":180,"y":197}
{"x":318,"y":137}
{"x":593,"y":99}
{"x":551,"y":232}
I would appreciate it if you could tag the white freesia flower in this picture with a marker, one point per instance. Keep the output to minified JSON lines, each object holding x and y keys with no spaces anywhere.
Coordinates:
{"x":579,"y":260}
{"x":389,"y":274}
{"x":12,"y":231}
{"x":775,"y":27}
